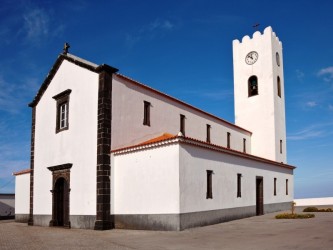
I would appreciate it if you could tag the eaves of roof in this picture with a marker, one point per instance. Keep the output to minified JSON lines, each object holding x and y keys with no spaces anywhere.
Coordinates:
{"x":196,"y":143}
{"x":25,"y":171}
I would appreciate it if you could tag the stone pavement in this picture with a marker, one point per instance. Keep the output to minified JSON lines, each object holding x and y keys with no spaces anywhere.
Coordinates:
{"x":261,"y":232}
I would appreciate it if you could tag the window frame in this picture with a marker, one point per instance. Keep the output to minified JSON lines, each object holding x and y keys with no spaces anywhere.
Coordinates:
{"x":146,"y":113}
{"x":209,"y":193}
{"x":278,"y":86}
{"x":182,"y":124}
{"x":281,"y":143}
{"x":228,"y":139}
{"x":251,"y":90}
{"x":62,"y":100}
{"x":239,"y":185}
{"x":208,"y":128}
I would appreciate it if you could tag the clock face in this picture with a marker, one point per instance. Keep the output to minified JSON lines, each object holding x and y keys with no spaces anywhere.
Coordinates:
{"x":251,"y":57}
{"x":277,"y":59}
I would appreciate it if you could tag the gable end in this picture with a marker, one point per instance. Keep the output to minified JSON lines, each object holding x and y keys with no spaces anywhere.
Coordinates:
{"x":73,"y":59}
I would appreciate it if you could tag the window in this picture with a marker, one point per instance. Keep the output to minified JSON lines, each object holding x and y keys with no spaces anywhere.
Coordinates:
{"x":208,"y":133}
{"x":182,"y":124}
{"x":62,"y":115}
{"x":209,"y":194}
{"x":239,"y":185}
{"x":287,"y":187}
{"x":228,"y":139}
{"x":146,"y":113}
{"x":279,"y":86}
{"x":274,"y":186}
{"x":253,"y":86}
{"x":244,"y":145}
{"x":280,"y":146}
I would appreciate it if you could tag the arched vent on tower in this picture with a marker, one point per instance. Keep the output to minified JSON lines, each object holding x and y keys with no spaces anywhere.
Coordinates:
{"x":253,"y":86}
{"x":279,"y":86}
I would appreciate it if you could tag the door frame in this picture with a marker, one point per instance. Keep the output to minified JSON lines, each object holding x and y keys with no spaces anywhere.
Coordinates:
{"x":259,"y":195}
{"x":60,"y":172}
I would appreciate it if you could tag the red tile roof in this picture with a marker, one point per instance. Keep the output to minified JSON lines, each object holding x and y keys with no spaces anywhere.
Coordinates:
{"x":25,"y":171}
{"x":168,"y":138}
{"x":163,"y":137}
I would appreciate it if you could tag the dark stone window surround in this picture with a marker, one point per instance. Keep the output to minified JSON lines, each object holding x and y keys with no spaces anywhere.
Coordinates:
{"x":61,"y":99}
{"x":61,"y":171}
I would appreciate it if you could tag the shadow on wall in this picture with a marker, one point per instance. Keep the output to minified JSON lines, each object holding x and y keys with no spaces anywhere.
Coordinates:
{"x":7,"y":206}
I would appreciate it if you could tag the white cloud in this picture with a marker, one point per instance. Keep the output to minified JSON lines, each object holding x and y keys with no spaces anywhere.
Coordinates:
{"x":36,"y":24}
{"x":312,"y":132}
{"x":311,"y":104}
{"x":159,"y":25}
{"x":327,"y":73}
{"x":149,"y":31}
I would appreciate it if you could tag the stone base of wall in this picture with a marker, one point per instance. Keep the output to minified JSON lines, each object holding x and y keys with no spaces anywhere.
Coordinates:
{"x":76,"y":221}
{"x":22,"y":218}
{"x":42,"y":220}
{"x":163,"y":222}
{"x":275,"y":207}
{"x":177,"y":222}
{"x":82,"y":221}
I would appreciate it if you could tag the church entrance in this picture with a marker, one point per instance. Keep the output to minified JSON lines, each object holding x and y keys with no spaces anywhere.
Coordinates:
{"x":60,"y":195}
{"x":61,"y":202}
{"x":259,"y":195}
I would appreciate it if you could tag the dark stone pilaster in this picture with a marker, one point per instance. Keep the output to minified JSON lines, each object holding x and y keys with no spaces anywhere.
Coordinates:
{"x":103,"y":195}
{"x":32,"y":160}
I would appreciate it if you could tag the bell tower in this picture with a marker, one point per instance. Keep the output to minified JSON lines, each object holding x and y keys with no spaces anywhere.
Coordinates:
{"x":259,"y":93}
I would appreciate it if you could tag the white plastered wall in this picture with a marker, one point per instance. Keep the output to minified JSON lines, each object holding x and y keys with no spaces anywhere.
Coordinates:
{"x":263,"y":114}
{"x":194,"y":162}
{"x":127,"y":119}
{"x":22,"y":193}
{"x":77,"y":145}
{"x":146,"y":181}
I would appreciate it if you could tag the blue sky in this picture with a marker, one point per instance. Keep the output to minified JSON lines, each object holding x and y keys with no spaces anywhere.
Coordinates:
{"x":183,"y":48}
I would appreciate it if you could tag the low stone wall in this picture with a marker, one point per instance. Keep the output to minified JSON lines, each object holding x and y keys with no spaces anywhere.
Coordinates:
{"x":314,"y":202}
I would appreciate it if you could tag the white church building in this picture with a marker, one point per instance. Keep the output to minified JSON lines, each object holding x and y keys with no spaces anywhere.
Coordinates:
{"x":110,"y":152}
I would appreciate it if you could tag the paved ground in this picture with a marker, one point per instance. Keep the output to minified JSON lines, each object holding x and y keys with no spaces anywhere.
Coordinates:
{"x":263,"y":232}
